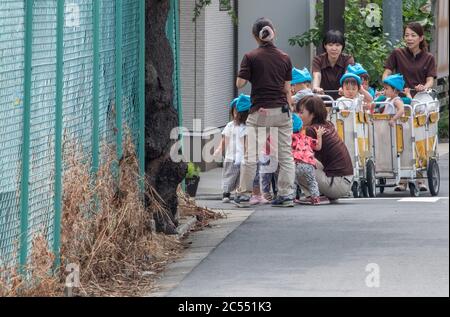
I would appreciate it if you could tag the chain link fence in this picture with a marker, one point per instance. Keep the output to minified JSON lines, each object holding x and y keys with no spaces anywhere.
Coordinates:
{"x":69,"y":70}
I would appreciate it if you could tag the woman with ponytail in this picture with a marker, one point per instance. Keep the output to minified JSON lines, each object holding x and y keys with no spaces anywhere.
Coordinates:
{"x":414,"y":62}
{"x":417,"y":66}
{"x":269,"y":70}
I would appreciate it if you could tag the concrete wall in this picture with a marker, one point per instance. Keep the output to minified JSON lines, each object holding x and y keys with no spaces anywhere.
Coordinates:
{"x":207,"y":68}
{"x":290,"y":17}
{"x":207,"y":71}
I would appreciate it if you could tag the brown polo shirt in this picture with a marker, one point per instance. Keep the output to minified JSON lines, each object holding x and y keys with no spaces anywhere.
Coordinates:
{"x":415,"y":69}
{"x":267,"y":68}
{"x":334,"y":155}
{"x":331,"y":75}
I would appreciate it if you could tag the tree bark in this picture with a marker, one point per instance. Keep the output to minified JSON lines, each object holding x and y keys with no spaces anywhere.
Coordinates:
{"x":161,"y":172}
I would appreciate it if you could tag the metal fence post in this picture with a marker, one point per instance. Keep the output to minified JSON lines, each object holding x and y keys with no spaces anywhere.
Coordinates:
{"x":118,"y":52}
{"x":95,"y":84}
{"x":177,"y":75}
{"x":24,"y":188}
{"x":58,"y":132}
{"x":141,"y":149}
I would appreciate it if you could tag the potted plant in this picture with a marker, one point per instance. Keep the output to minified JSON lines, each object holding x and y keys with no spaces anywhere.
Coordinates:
{"x":192,"y":179}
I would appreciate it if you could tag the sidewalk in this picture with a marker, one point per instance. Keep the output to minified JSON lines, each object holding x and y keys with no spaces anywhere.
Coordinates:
{"x":210,"y":186}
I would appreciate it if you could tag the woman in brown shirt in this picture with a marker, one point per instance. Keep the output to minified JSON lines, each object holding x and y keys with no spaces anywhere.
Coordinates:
{"x":329,"y":67}
{"x":269,"y":71}
{"x":414,"y":62}
{"x":417,"y":66}
{"x":334,"y":172}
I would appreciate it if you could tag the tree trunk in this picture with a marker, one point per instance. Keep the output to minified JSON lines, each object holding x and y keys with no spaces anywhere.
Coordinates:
{"x":161,"y":172}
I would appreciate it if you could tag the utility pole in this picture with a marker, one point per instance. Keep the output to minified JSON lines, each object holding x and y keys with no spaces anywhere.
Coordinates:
{"x":333,"y":14}
{"x":393,"y":20}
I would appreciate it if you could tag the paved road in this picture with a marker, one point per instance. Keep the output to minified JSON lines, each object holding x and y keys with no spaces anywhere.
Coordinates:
{"x":325,"y":250}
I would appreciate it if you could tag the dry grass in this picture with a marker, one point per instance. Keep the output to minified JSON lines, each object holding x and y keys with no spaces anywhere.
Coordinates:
{"x":106,"y":231}
{"x":188,"y":207}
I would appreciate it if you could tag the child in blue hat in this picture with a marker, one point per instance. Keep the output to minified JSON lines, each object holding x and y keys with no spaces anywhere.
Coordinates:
{"x":303,"y":148}
{"x":359,"y":70}
{"x":233,"y":143}
{"x":393,"y":85}
{"x":300,"y":84}
{"x":355,"y":97}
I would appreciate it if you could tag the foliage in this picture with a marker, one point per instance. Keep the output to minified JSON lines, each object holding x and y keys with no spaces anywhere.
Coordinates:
{"x":201,"y":4}
{"x":443,"y":125}
{"x":193,"y":170}
{"x":368,"y":45}
{"x":313,"y":35}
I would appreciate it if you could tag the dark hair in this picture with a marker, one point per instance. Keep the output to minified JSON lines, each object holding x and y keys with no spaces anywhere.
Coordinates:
{"x":365,"y":76}
{"x":315,"y":106}
{"x":351,"y":82}
{"x":299,"y":104}
{"x":417,"y":28}
{"x":259,"y":25}
{"x":241,"y":117}
{"x":334,"y":36}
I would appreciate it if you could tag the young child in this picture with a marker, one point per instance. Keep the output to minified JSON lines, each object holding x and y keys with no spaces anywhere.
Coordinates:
{"x":233,"y":142}
{"x":352,"y":88}
{"x":300,"y":84}
{"x":393,"y":85}
{"x":359,"y":70}
{"x":303,"y":148}
{"x":268,"y":171}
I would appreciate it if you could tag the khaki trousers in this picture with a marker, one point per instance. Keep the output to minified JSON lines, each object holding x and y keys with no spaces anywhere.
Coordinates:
{"x":261,"y":124}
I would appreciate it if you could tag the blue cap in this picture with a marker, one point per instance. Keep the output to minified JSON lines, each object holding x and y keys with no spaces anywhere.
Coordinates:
{"x":395,"y":81}
{"x":371,"y":92}
{"x":357,"y":69}
{"x":297,"y":123}
{"x":351,"y":75}
{"x":300,"y":76}
{"x":406,"y":100}
{"x":242,"y":103}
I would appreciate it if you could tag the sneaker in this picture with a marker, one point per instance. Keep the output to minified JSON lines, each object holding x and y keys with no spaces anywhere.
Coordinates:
{"x":281,"y":201}
{"x":264,"y":201}
{"x":226,"y":198}
{"x":422,"y":187}
{"x":315,"y":201}
{"x":268,"y":197}
{"x":255,"y":200}
{"x":325,"y":200}
{"x":242,"y":201}
{"x":400,"y":188}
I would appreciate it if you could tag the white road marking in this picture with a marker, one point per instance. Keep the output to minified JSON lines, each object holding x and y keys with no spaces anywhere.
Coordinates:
{"x":409,"y":199}
{"x":420,"y":199}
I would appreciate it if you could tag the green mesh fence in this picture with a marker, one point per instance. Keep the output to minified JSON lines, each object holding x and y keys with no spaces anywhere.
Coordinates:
{"x":28,"y":185}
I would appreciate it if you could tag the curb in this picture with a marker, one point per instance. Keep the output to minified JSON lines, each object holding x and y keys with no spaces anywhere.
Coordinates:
{"x":183,"y":229}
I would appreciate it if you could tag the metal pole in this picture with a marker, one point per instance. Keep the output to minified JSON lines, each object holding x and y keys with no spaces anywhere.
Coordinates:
{"x":96,"y":84}
{"x":178,"y":77}
{"x":58,"y":132}
{"x":141,"y":148}
{"x":119,"y":29}
{"x":393,"y":20}
{"x":26,"y":135}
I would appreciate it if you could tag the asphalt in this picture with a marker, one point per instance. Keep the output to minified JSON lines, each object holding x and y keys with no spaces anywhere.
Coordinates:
{"x":387,"y":246}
